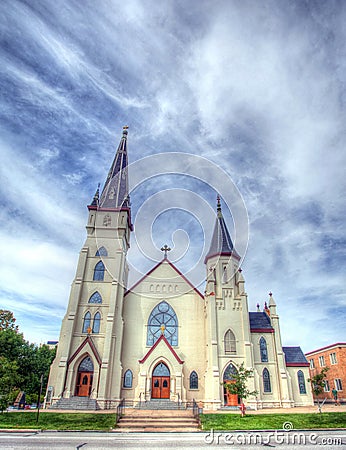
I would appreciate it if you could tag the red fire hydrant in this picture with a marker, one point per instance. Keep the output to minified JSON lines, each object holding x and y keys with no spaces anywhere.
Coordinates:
{"x":242,"y":409}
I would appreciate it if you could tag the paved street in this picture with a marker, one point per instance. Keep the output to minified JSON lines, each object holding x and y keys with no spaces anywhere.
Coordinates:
{"x":99,"y":441}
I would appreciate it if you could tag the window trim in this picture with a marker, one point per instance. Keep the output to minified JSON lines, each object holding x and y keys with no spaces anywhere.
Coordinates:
{"x":193,"y":379}
{"x":86,"y":322}
{"x":263,"y":349}
{"x":230,"y":343}
{"x":128,"y":373}
{"x":267,"y":387}
{"x":301,"y":382}
{"x":338,"y":384}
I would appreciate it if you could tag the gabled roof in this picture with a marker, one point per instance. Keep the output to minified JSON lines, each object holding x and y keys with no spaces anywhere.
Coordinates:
{"x":89,"y":341}
{"x":161,"y":338}
{"x":328,"y":347}
{"x":221,"y":242}
{"x":295,"y":357}
{"x":165,"y":260}
{"x":260,"y":323}
{"x":116,"y":189}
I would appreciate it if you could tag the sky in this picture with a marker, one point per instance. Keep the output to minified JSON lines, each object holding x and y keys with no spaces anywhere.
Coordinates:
{"x":255,"y":90}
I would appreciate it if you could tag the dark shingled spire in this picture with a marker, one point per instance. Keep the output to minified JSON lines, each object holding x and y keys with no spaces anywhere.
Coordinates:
{"x":116,"y":188}
{"x":221,"y":243}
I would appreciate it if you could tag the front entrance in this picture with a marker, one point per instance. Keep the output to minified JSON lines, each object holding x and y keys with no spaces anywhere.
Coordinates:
{"x":228,"y":378}
{"x":161,"y":381}
{"x":84,"y":379}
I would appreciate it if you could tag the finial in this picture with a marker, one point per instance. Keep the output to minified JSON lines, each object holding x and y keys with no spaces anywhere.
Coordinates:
{"x":89,"y":330}
{"x":270,"y":294}
{"x":240,"y":270}
{"x":162,"y":328}
{"x":258,"y":307}
{"x":125,"y":128}
{"x":95,"y":201}
{"x":165,"y":249}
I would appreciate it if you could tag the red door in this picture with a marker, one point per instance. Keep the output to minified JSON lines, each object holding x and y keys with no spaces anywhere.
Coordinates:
{"x":160,"y":387}
{"x":230,"y":399}
{"x":84,"y":383}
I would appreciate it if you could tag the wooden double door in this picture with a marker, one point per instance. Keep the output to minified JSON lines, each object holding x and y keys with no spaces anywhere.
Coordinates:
{"x":84,"y":384}
{"x":161,"y":382}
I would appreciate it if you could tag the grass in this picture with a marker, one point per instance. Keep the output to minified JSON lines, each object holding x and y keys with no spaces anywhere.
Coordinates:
{"x":272,"y":421}
{"x":57,"y":421}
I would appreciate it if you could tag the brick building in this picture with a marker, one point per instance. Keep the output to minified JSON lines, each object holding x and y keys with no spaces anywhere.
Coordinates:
{"x":334,"y":357}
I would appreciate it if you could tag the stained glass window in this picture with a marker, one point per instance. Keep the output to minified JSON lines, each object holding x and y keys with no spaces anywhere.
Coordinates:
{"x":301,"y":382}
{"x":229,"y":372}
{"x":99,"y":271}
{"x":101,"y":252}
{"x":162,"y":319}
{"x":96,"y":323}
{"x":263,"y":350}
{"x":193,"y":380}
{"x":86,"y":322}
{"x":95,"y":298}
{"x":161,"y":370}
{"x":128,"y":379}
{"x":86,"y":365}
{"x":266,"y":381}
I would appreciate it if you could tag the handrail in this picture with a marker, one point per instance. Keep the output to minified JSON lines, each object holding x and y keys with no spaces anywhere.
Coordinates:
{"x":120,"y":410}
{"x":195,"y":411}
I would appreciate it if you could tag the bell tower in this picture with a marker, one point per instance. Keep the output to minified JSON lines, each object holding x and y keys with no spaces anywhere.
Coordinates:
{"x":92,"y":329}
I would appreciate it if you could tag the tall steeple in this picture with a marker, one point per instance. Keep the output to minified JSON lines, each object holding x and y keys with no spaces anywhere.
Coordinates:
{"x":221,"y":243}
{"x":116,"y":189}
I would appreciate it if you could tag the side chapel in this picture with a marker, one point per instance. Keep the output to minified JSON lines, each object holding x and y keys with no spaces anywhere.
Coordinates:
{"x":165,"y":339}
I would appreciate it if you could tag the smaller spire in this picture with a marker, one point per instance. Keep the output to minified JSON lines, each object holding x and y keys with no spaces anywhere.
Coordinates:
{"x":258,"y":307}
{"x":95,"y":201}
{"x":271,"y":300}
{"x":218,"y":208}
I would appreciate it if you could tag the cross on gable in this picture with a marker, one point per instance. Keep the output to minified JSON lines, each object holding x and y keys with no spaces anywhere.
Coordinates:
{"x":165,"y":249}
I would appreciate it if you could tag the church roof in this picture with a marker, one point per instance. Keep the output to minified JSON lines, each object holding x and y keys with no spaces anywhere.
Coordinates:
{"x":294,"y":356}
{"x":116,"y":189}
{"x":161,"y":338}
{"x":260,"y":322}
{"x":221,"y":242}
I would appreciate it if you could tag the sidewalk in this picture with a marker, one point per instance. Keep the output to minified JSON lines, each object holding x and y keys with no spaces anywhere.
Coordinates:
{"x":296,"y":410}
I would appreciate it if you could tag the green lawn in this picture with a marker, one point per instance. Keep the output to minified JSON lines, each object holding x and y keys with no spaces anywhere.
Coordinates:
{"x":58,"y":421}
{"x":272,"y":421}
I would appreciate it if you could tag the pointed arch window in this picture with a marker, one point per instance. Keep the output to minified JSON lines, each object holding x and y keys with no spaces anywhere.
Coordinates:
{"x":128,"y":377}
{"x":95,"y":298}
{"x":101,"y":252}
{"x":162,"y":320}
{"x":86,"y":322}
{"x":99,"y":271}
{"x":266,"y":380}
{"x":230,"y":343}
{"x":193,"y":380}
{"x":263,"y":350}
{"x":96,"y":323}
{"x":301,"y":382}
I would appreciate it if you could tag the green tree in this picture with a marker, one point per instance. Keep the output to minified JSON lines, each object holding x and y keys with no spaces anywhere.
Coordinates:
{"x":9,"y":382}
{"x":238,"y":384}
{"x":7,"y":320}
{"x":318,"y":384}
{"x":26,"y":362}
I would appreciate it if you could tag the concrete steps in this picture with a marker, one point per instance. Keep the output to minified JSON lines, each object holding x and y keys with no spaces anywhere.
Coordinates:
{"x":137,"y":420}
{"x":76,"y":403}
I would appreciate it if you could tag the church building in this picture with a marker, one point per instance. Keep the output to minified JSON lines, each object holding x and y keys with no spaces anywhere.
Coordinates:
{"x":162,"y":338}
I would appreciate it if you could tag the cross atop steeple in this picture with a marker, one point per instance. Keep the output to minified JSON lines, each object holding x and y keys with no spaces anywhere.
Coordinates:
{"x":165,"y":249}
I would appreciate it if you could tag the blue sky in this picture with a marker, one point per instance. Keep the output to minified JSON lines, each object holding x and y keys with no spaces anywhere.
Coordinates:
{"x":257,"y":88}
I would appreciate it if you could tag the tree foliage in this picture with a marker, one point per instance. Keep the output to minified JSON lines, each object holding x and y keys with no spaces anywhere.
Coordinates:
{"x":7,"y":320}
{"x":317,"y":385}
{"x":238,"y":385}
{"x":21,"y":364}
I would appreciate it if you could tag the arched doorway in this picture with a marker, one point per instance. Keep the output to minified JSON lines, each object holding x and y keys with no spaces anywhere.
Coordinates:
{"x":84,"y":379}
{"x":161,"y":381}
{"x":228,"y":377}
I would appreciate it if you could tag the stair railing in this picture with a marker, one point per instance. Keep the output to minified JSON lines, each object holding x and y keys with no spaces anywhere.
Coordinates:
{"x":195,"y":411}
{"x":120,"y":410}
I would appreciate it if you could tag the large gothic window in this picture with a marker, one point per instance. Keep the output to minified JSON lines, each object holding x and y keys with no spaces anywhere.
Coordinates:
{"x":266,"y":381}
{"x":101,"y":252}
{"x":230,"y":343}
{"x":86,"y":322}
{"x":99,"y":271}
{"x":263,"y":350}
{"x":96,"y":323}
{"x":162,"y":320}
{"x":193,"y":380}
{"x":95,"y":298}
{"x":301,"y":382}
